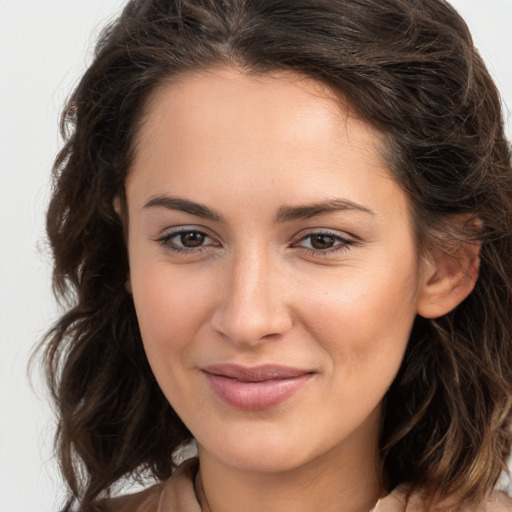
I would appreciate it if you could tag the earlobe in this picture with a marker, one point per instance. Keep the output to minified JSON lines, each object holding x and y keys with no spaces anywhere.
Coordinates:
{"x":448,"y":278}
{"x":117,"y":205}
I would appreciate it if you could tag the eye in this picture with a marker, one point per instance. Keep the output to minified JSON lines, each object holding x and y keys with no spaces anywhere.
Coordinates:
{"x":321,"y":242}
{"x":324,"y":242}
{"x":191,"y":239}
{"x":187,"y":240}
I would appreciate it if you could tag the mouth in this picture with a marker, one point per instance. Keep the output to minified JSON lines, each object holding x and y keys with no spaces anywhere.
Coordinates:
{"x":255,"y":388}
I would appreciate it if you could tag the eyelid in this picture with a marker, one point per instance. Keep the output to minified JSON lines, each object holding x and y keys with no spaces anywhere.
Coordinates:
{"x":344,"y":241}
{"x":168,"y":234}
{"x":342,"y":235}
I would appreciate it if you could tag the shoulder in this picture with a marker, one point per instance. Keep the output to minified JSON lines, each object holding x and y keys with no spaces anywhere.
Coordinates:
{"x":499,"y":501}
{"x":176,"y":493}
{"x":402,"y":500}
{"x":130,"y":502}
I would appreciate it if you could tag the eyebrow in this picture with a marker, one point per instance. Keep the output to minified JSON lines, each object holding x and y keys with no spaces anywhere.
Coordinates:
{"x":184,"y":205}
{"x":288,"y":213}
{"x":285,"y":213}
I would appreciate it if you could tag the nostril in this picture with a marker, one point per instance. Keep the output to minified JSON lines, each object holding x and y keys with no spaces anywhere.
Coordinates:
{"x":250,"y":308}
{"x":240,"y":328}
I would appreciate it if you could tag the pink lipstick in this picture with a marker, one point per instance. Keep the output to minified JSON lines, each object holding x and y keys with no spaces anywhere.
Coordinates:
{"x":255,"y":388}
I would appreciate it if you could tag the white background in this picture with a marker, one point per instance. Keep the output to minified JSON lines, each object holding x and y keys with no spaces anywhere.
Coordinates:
{"x":44,"y":47}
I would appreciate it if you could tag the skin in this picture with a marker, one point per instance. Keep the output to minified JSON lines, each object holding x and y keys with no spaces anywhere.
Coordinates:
{"x":256,"y":291}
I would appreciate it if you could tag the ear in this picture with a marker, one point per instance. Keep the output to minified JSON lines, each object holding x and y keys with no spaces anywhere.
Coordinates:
{"x":449,"y":275}
{"x":116,"y":203}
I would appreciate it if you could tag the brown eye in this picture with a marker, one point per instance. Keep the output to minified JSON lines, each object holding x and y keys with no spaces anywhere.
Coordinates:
{"x":323,"y":243}
{"x":192,"y":239}
{"x":320,"y":242}
{"x":187,"y":241}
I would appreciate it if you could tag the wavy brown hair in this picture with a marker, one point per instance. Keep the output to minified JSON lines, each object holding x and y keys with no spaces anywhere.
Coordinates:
{"x":409,"y":68}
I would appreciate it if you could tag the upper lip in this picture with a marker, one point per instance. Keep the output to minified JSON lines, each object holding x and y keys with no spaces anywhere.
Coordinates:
{"x":255,"y":373}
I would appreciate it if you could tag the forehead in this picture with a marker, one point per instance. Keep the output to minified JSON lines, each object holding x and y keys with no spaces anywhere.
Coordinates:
{"x":277,"y":87}
{"x":221,"y":135}
{"x":251,"y":107}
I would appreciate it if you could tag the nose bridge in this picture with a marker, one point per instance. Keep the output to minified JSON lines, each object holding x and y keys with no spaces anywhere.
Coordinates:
{"x":253,"y":306}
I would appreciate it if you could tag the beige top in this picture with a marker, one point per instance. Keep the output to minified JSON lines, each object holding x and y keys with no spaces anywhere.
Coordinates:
{"x":177,"y":495}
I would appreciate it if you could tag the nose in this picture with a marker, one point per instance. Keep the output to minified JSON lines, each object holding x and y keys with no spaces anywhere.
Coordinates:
{"x":252,"y":307}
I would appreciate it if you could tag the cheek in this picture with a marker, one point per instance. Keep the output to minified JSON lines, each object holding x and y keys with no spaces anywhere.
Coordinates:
{"x":170,"y":307}
{"x":363,"y":320}
{"x":170,"y":310}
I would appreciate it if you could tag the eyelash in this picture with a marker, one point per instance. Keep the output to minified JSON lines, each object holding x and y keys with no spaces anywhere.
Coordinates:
{"x":166,"y":241}
{"x":341,"y":243}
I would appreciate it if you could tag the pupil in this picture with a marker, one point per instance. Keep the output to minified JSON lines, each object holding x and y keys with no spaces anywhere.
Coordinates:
{"x":192,"y":239}
{"x":322,"y":241}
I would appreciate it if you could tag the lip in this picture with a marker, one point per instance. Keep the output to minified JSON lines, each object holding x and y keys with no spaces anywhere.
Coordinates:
{"x":255,"y":388}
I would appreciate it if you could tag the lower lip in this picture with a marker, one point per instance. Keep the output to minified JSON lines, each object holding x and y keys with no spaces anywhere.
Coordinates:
{"x":255,"y":396}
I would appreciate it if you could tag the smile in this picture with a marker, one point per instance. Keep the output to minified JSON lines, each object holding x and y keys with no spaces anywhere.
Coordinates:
{"x":256,"y":388}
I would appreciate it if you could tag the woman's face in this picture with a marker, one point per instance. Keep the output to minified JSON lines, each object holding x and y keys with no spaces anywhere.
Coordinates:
{"x":272,"y":267}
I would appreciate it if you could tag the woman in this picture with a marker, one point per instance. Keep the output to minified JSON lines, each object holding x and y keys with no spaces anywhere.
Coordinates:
{"x":286,"y":230}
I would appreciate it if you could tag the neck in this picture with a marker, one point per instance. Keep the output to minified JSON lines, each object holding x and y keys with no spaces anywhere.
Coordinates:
{"x":346,"y":479}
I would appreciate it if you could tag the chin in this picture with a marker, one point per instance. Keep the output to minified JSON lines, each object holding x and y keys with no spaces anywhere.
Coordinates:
{"x":259,"y":454}
{"x":255,"y":455}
